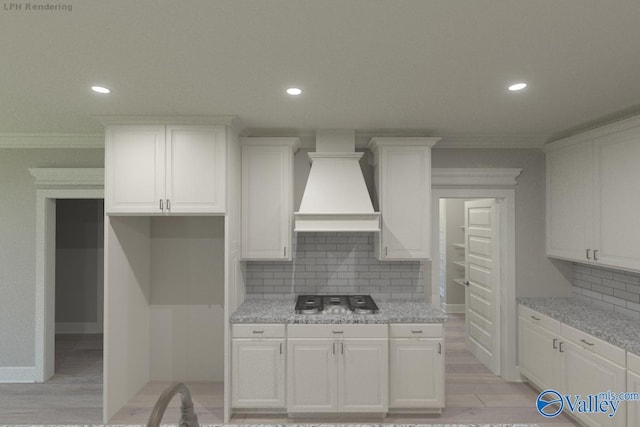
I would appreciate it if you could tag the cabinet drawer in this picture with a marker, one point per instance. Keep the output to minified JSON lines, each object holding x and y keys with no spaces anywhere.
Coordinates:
{"x":633,"y":363}
{"x":540,"y":319}
{"x":257,"y":330}
{"x":337,"y":331}
{"x":415,"y":330}
{"x":596,"y":345}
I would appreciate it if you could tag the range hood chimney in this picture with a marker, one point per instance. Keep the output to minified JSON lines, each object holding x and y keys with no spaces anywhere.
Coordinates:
{"x":336,"y":197}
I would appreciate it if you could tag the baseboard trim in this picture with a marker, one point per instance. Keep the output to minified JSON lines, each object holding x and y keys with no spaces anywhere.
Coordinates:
{"x":21,"y":374}
{"x":77,"y":328}
{"x":453,"y":308}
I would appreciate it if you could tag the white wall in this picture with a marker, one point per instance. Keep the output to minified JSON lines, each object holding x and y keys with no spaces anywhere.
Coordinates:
{"x":536,"y":275}
{"x":17,"y":250}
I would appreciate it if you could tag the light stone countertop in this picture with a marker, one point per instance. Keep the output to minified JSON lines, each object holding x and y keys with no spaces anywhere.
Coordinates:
{"x":614,"y":328}
{"x":282,"y":311}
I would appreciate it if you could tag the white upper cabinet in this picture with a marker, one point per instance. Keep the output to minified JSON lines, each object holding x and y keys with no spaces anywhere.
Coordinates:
{"x":592,"y":196}
{"x":165,"y":169}
{"x":403,"y":184}
{"x":570,"y":201}
{"x":267,"y":197}
{"x":617,"y":200}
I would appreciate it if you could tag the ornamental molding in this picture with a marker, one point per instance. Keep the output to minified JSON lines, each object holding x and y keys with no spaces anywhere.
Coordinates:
{"x":474,"y":177}
{"x":68,"y":177}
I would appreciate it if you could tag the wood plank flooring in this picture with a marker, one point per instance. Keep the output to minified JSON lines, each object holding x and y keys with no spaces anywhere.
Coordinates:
{"x":74,"y":394}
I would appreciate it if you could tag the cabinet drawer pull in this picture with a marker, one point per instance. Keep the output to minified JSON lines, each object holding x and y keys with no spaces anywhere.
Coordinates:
{"x":168,"y":204}
{"x":588,"y":253}
{"x":338,"y":332}
{"x":333,"y":346}
{"x":259,"y":332}
{"x":560,"y":346}
{"x":555,"y":343}
{"x":285,"y":251}
{"x":587,"y":342}
{"x":535,"y":318}
{"x":416,"y":332}
{"x":161,"y":204}
{"x":439,"y":348}
{"x":342,"y":347}
{"x":280,"y":348}
{"x":595,"y":254}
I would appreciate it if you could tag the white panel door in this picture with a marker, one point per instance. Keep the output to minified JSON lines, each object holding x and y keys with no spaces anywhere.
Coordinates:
{"x":482,"y":257}
{"x":416,"y":373}
{"x":258,"y":373}
{"x":312,"y":375}
{"x":587,"y":373}
{"x":617,"y":225}
{"x":363,"y":375}
{"x":538,"y":354}
{"x":196,"y":169}
{"x":266,"y":202}
{"x":405,"y":182}
{"x":134,"y":169}
{"x":570,"y":196}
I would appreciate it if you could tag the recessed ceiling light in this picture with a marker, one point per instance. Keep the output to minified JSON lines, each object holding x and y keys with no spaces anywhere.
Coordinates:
{"x":100,"y":89}
{"x":294,"y":91}
{"x":517,"y":86}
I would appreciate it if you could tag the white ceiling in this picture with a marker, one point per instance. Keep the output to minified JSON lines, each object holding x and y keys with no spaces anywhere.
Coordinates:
{"x":425,"y":66}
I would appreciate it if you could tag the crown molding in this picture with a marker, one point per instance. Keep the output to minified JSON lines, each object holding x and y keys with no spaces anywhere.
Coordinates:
{"x":595,"y":133}
{"x":51,"y":140}
{"x":231,"y":121}
{"x":474,"y":177}
{"x":492,"y":141}
{"x":68,"y":177}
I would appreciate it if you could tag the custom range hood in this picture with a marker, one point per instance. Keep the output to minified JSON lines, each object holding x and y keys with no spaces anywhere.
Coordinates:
{"x":336,"y":197}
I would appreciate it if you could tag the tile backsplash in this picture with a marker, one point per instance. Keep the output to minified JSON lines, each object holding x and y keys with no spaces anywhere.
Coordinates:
{"x":336,"y":263}
{"x":607,"y":288}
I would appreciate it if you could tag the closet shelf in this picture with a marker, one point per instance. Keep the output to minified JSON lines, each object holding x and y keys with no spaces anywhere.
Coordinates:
{"x":460,"y":264}
{"x":459,"y":281}
{"x":459,"y":245}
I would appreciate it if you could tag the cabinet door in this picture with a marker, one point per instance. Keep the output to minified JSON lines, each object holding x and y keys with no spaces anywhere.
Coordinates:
{"x":633,"y":407}
{"x":416,"y":373}
{"x":258,"y":370}
{"x":618,"y":200}
{"x":196,"y":169}
{"x":266,"y":202}
{"x":570,"y":201}
{"x":312,"y":375}
{"x":587,"y":373}
{"x":404,"y":191}
{"x":134,"y":169}
{"x":538,"y":354}
{"x":363,"y":375}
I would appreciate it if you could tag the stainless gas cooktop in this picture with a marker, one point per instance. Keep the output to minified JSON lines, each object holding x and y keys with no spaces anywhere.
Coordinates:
{"x":335,"y":304}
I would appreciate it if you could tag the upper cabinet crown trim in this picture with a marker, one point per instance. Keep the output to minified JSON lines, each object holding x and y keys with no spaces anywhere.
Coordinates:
{"x":292,"y":142}
{"x":590,"y":135}
{"x":402,"y":141}
{"x":109,"y":120}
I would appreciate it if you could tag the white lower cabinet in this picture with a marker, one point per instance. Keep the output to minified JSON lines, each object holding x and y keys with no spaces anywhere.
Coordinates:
{"x":588,"y":373}
{"x":633,"y":386}
{"x":553,"y":355}
{"x":539,"y":348}
{"x":258,"y":366}
{"x":337,"y":368}
{"x":416,"y":368}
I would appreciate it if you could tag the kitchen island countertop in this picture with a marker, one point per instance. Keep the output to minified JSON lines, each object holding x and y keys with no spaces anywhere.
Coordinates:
{"x":282,"y":311}
{"x":614,"y":328}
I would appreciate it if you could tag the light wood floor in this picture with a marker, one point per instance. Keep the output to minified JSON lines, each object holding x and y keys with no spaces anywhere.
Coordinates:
{"x":74,"y":394}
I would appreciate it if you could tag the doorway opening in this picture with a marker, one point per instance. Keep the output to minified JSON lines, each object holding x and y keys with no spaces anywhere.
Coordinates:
{"x":505,"y":345}
{"x":79,"y":290}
